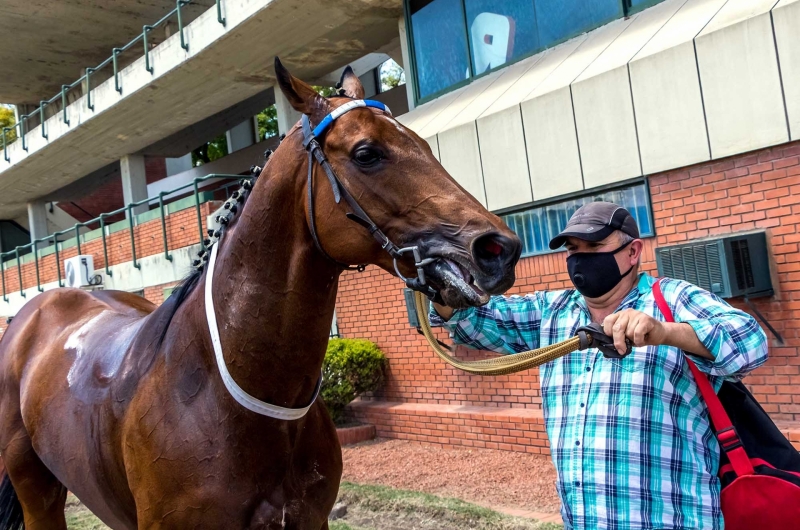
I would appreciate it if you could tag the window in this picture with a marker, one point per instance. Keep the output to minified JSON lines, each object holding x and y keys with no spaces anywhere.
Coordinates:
{"x":439,"y":39}
{"x":453,"y":41}
{"x":538,"y":225}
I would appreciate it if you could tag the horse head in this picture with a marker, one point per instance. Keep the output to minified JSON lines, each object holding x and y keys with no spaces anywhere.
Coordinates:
{"x":465,"y":252}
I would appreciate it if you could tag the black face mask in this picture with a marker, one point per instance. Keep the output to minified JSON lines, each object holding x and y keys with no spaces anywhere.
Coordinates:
{"x":595,"y":273}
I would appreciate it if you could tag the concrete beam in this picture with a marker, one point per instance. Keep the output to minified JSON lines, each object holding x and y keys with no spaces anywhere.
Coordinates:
{"x":44,"y":44}
{"x":37,"y":220}
{"x":311,"y":36}
{"x":134,"y":181}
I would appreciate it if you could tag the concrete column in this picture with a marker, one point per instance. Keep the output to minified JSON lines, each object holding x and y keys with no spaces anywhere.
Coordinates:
{"x":134,"y":181}
{"x":410,"y":82}
{"x":287,"y":116}
{"x":37,"y":220}
{"x":240,"y":136}
{"x":179,"y":165}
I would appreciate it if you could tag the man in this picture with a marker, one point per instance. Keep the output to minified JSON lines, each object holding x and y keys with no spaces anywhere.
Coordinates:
{"x":630,"y":438}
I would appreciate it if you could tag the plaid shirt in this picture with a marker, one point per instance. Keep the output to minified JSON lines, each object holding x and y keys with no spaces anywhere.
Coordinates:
{"x":630,"y":438}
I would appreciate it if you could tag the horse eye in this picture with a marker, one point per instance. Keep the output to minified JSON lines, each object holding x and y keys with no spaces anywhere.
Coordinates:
{"x":367,"y":156}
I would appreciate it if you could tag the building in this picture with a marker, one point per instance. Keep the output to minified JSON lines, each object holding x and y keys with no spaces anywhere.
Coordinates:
{"x":685,"y":111}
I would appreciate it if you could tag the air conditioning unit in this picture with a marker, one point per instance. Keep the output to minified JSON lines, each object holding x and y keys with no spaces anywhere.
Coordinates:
{"x":80,"y":272}
{"x":736,"y":265}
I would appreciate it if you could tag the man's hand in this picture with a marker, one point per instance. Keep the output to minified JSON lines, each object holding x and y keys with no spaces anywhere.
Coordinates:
{"x":639,"y":328}
{"x":444,"y":311}
{"x":644,"y":330}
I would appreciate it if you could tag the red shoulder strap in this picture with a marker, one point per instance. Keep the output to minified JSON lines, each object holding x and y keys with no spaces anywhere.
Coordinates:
{"x":725,"y":431}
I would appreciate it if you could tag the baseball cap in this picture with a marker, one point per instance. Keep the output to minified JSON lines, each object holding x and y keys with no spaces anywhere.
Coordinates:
{"x":596,"y":221}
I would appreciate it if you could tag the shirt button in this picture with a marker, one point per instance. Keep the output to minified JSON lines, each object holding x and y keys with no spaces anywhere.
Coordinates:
{"x":582,"y":405}
{"x":588,"y":369}
{"x":577,"y":443}
{"x":577,"y":484}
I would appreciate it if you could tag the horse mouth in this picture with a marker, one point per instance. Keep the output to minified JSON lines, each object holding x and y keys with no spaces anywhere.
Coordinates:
{"x":457,"y":283}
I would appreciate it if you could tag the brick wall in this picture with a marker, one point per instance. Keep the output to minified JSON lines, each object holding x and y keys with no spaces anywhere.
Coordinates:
{"x":108,"y":196}
{"x":759,"y":190}
{"x":182,"y":231}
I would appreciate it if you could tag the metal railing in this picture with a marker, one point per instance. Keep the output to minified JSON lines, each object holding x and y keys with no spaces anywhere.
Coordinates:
{"x":114,"y":62}
{"x":193,"y":186}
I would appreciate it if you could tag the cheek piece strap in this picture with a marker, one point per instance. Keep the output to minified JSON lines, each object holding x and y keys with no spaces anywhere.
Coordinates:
{"x":357,"y":214}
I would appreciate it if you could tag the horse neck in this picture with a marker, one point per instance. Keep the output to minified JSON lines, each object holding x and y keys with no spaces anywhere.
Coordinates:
{"x":274,"y":293}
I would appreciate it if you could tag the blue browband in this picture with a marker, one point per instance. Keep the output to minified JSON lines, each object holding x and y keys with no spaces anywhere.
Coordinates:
{"x":328,"y":120}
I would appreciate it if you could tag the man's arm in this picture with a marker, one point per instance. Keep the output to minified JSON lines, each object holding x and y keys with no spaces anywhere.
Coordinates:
{"x":504,"y":325}
{"x":727,"y":342}
{"x":644,"y":330}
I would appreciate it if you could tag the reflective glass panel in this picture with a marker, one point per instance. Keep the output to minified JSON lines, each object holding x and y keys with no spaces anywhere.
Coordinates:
{"x":559,"y":20}
{"x":537,"y":226}
{"x":439,"y":37}
{"x":500,"y":31}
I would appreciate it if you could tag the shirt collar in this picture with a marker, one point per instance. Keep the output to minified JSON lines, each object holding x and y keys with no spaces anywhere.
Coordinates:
{"x":643,"y":286}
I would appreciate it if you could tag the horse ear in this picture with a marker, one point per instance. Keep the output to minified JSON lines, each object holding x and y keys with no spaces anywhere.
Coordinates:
{"x":302,"y":97}
{"x":351,"y":84}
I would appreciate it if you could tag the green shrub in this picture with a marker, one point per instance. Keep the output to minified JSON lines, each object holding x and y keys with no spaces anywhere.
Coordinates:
{"x":351,"y":367}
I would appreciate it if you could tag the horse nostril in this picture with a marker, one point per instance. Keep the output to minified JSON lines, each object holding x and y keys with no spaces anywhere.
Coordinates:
{"x":490,"y":249}
{"x":493,"y":247}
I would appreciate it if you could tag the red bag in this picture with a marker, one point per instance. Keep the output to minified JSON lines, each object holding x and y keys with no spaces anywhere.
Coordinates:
{"x":759,"y":469}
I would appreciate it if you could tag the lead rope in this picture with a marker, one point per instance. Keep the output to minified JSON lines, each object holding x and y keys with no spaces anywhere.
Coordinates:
{"x":586,"y":337}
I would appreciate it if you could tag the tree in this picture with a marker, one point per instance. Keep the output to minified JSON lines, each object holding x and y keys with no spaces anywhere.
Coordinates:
{"x":391,"y":75}
{"x":267,"y":122}
{"x":7,"y":120}
{"x":208,"y":152}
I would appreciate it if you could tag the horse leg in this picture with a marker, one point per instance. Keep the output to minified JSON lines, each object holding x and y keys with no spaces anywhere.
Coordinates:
{"x":40,"y":493}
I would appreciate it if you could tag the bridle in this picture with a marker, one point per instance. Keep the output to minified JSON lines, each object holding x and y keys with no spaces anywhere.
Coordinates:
{"x":209,"y":254}
{"x":315,"y":152}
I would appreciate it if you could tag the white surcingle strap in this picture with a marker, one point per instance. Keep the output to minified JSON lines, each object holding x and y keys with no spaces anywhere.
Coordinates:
{"x":238,"y":393}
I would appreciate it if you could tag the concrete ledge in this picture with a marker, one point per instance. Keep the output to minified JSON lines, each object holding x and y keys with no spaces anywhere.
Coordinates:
{"x":487,"y":427}
{"x":354,"y":435}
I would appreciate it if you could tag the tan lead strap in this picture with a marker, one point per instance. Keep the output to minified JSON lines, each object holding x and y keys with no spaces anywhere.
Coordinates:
{"x":507,"y":364}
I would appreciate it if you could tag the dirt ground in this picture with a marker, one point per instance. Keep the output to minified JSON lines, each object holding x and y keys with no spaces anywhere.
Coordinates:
{"x":484,"y":476}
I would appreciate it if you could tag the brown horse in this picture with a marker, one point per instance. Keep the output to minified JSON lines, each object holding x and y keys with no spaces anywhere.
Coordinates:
{"x":122,"y":403}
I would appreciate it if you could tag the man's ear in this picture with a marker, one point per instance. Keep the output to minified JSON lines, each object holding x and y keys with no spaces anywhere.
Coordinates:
{"x":351,"y":84}
{"x":636,"y":249}
{"x":301,"y":96}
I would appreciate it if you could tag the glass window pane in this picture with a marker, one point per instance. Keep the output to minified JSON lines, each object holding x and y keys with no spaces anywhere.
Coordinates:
{"x":500,"y":31}
{"x":558,"y":20}
{"x":439,"y":36}
{"x":537,"y":226}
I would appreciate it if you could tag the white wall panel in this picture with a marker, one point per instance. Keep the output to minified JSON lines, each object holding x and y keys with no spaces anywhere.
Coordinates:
{"x":581,"y":58}
{"x":466,"y":96}
{"x":553,"y":158}
{"x":433,"y":141}
{"x":669,"y":109}
{"x":736,"y":11}
{"x":683,"y":27}
{"x":477,"y":106}
{"x":461,"y":158}
{"x":633,"y":39}
{"x":505,"y":166}
{"x":422,"y":115}
{"x":740,"y":80}
{"x":606,"y":128}
{"x":786,"y":17}
{"x":548,"y":61}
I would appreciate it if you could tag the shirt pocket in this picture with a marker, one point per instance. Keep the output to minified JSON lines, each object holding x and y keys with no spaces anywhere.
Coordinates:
{"x":638,"y":360}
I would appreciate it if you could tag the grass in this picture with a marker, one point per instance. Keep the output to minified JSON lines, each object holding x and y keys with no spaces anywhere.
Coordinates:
{"x":426,"y":510}
{"x":378,"y":508}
